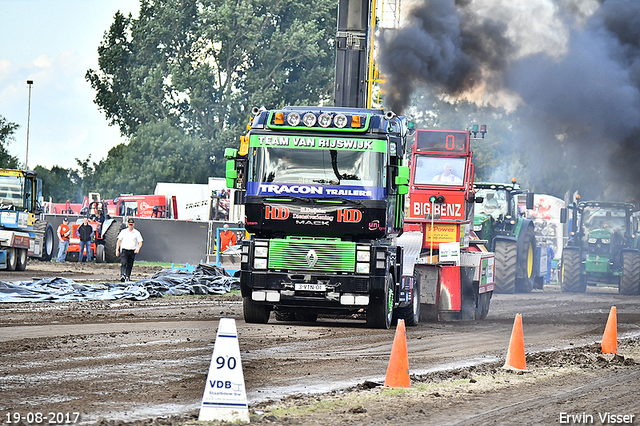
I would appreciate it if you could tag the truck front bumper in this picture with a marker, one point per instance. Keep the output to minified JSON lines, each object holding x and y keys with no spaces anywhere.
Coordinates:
{"x":327,"y":293}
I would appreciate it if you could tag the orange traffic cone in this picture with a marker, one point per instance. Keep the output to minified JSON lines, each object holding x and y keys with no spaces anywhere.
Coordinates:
{"x":610,"y":337}
{"x":515,"y":355}
{"x":398,"y":369}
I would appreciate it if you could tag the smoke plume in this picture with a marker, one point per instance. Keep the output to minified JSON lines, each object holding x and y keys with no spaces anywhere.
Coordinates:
{"x":568,"y":69}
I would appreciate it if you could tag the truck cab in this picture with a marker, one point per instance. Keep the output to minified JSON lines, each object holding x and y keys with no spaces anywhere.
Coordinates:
{"x":323,"y":190}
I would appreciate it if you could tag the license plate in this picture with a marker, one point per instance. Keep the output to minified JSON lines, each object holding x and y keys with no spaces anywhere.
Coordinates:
{"x":310,"y":287}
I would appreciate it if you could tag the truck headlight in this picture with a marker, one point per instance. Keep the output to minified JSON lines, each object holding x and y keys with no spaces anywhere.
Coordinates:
{"x":362,"y":268}
{"x":261,"y":251}
{"x":363,"y":256}
{"x":606,"y":241}
{"x":593,"y":240}
{"x":259,"y":263}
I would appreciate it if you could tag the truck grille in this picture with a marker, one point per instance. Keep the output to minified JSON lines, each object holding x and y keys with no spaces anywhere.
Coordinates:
{"x":323,"y":255}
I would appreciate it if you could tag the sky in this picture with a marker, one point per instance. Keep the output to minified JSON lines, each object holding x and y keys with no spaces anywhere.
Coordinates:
{"x":54,"y":43}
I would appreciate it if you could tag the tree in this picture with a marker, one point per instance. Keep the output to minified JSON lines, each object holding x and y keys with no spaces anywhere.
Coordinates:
{"x":200,"y":65}
{"x":158,"y":152}
{"x":7,"y":130}
{"x":60,"y":184}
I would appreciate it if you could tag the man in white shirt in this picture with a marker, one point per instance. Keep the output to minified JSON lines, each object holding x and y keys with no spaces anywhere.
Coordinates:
{"x":129,"y":244}
{"x":447,"y":177}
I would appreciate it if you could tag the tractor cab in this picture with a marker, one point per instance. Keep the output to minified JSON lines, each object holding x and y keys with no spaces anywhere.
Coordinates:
{"x":602,"y":247}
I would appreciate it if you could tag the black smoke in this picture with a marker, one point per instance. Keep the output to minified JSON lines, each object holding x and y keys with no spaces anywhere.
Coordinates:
{"x":446,"y":47}
{"x":579,"y":109}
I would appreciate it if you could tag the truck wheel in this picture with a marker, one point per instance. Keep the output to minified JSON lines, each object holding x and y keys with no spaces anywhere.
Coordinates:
{"x":22,"y":255}
{"x":411,"y":313}
{"x":506,"y":263}
{"x":527,"y":262}
{"x":572,"y":280}
{"x":630,"y":281}
{"x":255,"y":313}
{"x":48,"y":241}
{"x":100,"y":257}
{"x":12,"y":259}
{"x":482,"y":308}
{"x":380,"y":310}
{"x":110,"y":243}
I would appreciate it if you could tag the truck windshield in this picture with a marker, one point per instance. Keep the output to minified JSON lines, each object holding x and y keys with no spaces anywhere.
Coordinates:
{"x":11,"y":191}
{"x":439,"y":171}
{"x":320,"y":167}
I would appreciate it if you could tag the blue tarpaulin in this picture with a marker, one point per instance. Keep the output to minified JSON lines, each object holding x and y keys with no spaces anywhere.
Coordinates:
{"x":204,"y":279}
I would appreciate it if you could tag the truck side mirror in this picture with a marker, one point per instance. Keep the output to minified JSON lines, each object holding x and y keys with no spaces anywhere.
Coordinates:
{"x":231,"y":174}
{"x":230,"y":153}
{"x":530,"y":196}
{"x":563,"y":215}
{"x":402,"y":180}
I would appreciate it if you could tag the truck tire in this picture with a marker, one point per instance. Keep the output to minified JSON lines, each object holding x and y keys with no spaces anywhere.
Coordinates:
{"x":411,"y":313}
{"x":630,"y":280}
{"x":380,"y":310}
{"x":572,"y":280}
{"x":506,"y":264}
{"x":100,"y":257}
{"x":255,"y":313}
{"x":482,"y":309}
{"x":48,"y":242}
{"x":12,"y":259}
{"x":111,"y":242}
{"x":526,"y":262}
{"x":22,"y":256}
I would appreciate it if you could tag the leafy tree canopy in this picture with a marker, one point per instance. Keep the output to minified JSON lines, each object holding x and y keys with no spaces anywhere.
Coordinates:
{"x":200,"y":65}
{"x":7,"y":130}
{"x":158,"y":152}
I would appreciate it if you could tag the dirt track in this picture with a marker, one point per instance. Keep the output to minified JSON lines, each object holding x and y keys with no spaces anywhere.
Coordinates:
{"x":130,"y":361}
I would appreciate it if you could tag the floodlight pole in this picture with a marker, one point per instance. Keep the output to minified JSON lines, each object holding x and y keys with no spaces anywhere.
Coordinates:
{"x":26,"y":157}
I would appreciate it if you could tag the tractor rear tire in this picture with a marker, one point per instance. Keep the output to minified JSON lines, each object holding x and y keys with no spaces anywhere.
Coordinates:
{"x":527,"y":263}
{"x":630,"y":280}
{"x":255,"y":313}
{"x":380,"y":310}
{"x":506,"y":265}
{"x":48,"y":242}
{"x":572,"y":280}
{"x":111,"y":242}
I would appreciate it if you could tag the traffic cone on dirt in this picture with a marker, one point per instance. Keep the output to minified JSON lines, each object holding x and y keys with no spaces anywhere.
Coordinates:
{"x":398,"y":369}
{"x":610,"y":337}
{"x":515,"y":356}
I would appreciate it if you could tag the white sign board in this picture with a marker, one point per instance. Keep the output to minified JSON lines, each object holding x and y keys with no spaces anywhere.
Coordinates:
{"x":225,"y":397}
{"x":450,"y":252}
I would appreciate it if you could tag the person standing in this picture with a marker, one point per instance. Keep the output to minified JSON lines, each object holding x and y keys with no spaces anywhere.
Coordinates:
{"x":129,"y":244}
{"x":85,"y":232}
{"x":227,"y":238}
{"x":63,"y":239}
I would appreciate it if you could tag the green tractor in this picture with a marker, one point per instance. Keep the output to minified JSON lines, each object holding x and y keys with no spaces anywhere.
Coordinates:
{"x":500,"y":221}
{"x":602,"y":247}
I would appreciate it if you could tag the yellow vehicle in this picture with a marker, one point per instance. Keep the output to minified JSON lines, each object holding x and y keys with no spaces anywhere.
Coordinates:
{"x":23,"y":232}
